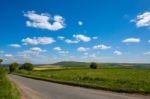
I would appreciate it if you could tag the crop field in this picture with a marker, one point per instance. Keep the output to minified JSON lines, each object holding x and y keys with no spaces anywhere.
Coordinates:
{"x":114,"y":79}
{"x":7,"y":89}
{"x":44,"y":68}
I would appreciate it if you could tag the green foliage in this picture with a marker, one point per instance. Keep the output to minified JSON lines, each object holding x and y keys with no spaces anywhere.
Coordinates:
{"x":27,"y":66}
{"x":93,"y":65}
{"x":1,"y":60}
{"x":13,"y":67}
{"x":115,"y":79}
{"x":7,"y":89}
{"x":71,"y":64}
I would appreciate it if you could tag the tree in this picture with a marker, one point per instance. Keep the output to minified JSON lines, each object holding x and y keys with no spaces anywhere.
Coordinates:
{"x":27,"y":66}
{"x":13,"y":67}
{"x":93,"y":65}
{"x":1,"y":60}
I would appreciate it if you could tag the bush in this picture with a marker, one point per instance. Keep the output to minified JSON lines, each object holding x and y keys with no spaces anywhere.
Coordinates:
{"x":27,"y":66}
{"x":13,"y":67}
{"x":93,"y":65}
{"x":1,"y":60}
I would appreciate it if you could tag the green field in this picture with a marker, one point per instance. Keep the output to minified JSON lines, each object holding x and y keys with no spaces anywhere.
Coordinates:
{"x":7,"y":89}
{"x":114,"y":79}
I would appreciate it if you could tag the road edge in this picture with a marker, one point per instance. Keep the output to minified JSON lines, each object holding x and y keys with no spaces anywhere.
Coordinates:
{"x":81,"y":85}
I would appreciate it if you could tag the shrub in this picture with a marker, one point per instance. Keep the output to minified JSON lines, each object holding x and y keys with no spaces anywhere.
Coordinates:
{"x":27,"y":66}
{"x":13,"y":67}
{"x":93,"y":65}
{"x":1,"y":60}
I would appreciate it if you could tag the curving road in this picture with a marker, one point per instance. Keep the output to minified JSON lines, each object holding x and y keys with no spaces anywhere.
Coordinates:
{"x":36,"y":89}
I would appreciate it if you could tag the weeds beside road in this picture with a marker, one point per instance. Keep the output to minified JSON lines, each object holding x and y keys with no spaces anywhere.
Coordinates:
{"x":119,"y":79}
{"x":7,"y":88}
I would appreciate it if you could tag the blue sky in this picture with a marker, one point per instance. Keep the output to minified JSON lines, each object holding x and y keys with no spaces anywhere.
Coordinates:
{"x":48,"y":31}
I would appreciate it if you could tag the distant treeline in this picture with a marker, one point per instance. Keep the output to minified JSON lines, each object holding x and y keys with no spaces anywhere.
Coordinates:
{"x":86,"y":64}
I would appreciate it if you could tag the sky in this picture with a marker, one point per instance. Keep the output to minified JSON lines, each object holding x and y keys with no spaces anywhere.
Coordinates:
{"x":49,"y":31}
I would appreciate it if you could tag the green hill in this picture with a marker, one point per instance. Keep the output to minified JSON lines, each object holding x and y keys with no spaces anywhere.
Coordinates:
{"x":71,"y":64}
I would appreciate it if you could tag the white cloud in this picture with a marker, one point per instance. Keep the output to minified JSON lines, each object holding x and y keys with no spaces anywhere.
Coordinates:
{"x":81,"y":37}
{"x":15,"y":45}
{"x":147,"y":53}
{"x":42,"y":21}
{"x":101,"y":47}
{"x":63,"y":52}
{"x":57,"y":49}
{"x":87,"y":55}
{"x":31,"y":52}
{"x":37,"y":50}
{"x":71,"y":41}
{"x":61,"y":37}
{"x":82,"y":49}
{"x":8,"y":55}
{"x":80,"y":23}
{"x":148,"y":41}
{"x":78,"y":38}
{"x":95,"y":37}
{"x":142,"y":20}
{"x":25,"y":54}
{"x":92,"y":56}
{"x":116,"y":52}
{"x":38,"y":40}
{"x":131,"y":40}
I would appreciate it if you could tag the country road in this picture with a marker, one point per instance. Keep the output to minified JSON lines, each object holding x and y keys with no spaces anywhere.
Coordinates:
{"x":36,"y":89}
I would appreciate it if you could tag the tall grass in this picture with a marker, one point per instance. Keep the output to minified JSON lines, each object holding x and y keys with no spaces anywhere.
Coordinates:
{"x":7,"y":89}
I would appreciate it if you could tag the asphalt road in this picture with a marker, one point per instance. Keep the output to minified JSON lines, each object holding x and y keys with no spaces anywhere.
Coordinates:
{"x":36,"y":89}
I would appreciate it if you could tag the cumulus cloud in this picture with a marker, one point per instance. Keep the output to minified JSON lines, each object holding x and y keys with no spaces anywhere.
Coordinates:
{"x":80,"y":23}
{"x":63,"y":52}
{"x":77,"y":39}
{"x":82,"y":49}
{"x":38,"y":40}
{"x":116,"y":52}
{"x":32,"y":51}
{"x":147,"y":53}
{"x":71,"y":41}
{"x":101,"y":47}
{"x":92,"y":55}
{"x":8,"y":55}
{"x":15,"y":45}
{"x":57,"y":49}
{"x":43,"y":21}
{"x":95,"y":37}
{"x":87,"y":55}
{"x":37,"y":50}
{"x":81,"y":37}
{"x":131,"y":40}
{"x":61,"y":37}
{"x":142,"y":20}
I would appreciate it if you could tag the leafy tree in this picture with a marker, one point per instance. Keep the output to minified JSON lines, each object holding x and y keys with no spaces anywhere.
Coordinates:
{"x":93,"y":65}
{"x":27,"y":66}
{"x":1,"y":60}
{"x":13,"y":67}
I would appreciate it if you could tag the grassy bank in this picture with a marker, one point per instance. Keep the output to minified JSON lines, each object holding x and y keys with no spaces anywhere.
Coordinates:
{"x":7,"y":89}
{"x":120,"y":80}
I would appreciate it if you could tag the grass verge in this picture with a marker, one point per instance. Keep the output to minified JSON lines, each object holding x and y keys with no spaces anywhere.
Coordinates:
{"x":118,"y":80}
{"x":7,"y":88}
